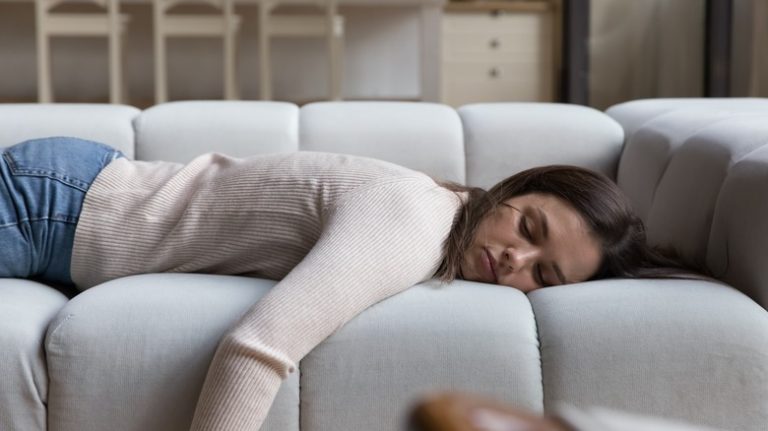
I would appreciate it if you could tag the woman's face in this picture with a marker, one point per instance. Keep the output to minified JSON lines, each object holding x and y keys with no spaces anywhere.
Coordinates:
{"x":532,"y":241}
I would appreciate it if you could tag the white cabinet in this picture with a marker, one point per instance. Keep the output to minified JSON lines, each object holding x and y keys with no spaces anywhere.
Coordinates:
{"x":499,"y":51}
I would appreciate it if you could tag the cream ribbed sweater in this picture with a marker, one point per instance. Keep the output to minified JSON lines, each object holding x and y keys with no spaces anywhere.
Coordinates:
{"x":340,"y":232}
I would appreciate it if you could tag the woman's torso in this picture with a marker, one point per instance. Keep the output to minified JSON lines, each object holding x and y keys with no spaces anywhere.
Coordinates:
{"x":257,"y":216}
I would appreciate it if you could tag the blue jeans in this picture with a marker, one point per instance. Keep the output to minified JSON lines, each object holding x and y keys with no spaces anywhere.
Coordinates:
{"x":42,"y":187}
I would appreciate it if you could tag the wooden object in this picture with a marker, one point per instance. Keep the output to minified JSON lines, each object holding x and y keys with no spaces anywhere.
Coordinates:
{"x":109,"y":24}
{"x":329,"y":26}
{"x":224,"y":25}
{"x":496,"y":51}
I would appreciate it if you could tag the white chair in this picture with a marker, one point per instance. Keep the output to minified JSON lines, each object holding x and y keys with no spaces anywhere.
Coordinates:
{"x":224,"y":24}
{"x":330,"y":26}
{"x":49,"y":24}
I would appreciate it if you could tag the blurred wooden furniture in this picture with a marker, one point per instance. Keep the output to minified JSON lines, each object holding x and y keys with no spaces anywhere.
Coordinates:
{"x":494,"y":51}
{"x":109,"y":24}
{"x":329,"y":25}
{"x":224,"y":24}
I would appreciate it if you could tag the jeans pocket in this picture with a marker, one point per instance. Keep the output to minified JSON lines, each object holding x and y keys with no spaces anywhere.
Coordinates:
{"x":72,"y":161}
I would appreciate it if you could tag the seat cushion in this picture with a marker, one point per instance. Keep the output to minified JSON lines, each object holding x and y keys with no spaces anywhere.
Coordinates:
{"x":466,"y":336}
{"x":682,"y":349}
{"x":132,"y":354}
{"x":26,"y":309}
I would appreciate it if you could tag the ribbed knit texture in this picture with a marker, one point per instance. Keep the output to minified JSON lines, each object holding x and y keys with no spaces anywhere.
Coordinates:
{"x":340,"y":232}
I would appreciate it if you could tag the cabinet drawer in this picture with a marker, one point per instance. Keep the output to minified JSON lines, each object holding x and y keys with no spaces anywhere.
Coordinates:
{"x":485,"y":22}
{"x":495,"y":82}
{"x":474,"y":46}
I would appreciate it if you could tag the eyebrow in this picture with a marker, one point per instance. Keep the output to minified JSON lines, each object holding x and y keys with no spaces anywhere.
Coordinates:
{"x":545,"y":233}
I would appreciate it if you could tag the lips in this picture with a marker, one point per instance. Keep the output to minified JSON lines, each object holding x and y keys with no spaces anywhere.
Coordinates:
{"x":489,"y":263}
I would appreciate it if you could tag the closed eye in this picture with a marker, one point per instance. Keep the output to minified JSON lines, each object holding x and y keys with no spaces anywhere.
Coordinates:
{"x":524,"y":228}
{"x":526,"y":232}
{"x":540,"y":277}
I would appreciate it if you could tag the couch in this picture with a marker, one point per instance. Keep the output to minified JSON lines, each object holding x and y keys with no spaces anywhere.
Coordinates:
{"x":132,"y":353}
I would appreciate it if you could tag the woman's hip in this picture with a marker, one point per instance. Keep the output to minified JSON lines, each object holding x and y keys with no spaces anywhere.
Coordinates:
{"x":42,"y":187}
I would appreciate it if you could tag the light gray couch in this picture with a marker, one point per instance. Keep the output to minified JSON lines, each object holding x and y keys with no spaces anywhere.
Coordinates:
{"x":131,"y":354}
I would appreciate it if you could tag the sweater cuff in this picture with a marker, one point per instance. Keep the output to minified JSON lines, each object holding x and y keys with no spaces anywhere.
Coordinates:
{"x":238,"y":391}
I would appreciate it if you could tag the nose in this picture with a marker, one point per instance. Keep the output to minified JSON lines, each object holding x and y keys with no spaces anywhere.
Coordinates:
{"x":518,"y":258}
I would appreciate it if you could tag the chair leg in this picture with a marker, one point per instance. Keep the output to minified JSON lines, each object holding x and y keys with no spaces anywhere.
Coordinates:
{"x":335,"y":56}
{"x":115,"y":66}
{"x":230,"y":66}
{"x":264,"y":52}
{"x":44,"y":87}
{"x":161,"y":89}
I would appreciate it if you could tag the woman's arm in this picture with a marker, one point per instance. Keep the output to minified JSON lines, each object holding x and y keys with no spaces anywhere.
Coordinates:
{"x":377,"y":241}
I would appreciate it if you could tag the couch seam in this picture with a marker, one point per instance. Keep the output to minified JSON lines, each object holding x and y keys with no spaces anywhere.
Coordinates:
{"x":541,"y":355}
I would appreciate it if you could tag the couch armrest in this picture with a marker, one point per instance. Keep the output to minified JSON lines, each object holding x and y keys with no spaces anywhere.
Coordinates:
{"x":738,"y":249}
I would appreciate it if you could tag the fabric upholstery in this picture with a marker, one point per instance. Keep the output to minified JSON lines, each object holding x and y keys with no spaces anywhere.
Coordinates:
{"x":464,"y":336}
{"x":26,"y":309}
{"x":647,"y":153}
{"x":738,"y":251}
{"x":424,"y":136}
{"x":502,"y":139}
{"x":235,"y":128}
{"x":680,"y":349}
{"x":686,"y":193}
{"x":634,"y":114}
{"x":677,"y":170}
{"x":133,"y":352}
{"x":109,"y":124}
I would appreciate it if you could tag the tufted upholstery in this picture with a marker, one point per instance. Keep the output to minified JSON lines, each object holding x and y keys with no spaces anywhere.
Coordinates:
{"x":131,"y":354}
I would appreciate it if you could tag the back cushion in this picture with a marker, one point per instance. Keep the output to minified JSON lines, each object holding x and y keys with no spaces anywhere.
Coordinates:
{"x":502,"y":139}
{"x":180,"y":131}
{"x":110,"y":124}
{"x":426,"y":137}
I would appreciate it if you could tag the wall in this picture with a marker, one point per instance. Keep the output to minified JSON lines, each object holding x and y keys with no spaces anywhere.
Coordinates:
{"x":640,"y":49}
{"x":382,"y":59}
{"x":655,"y":48}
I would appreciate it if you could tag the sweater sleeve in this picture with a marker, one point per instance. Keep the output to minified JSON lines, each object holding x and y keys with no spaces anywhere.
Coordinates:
{"x":377,"y":241}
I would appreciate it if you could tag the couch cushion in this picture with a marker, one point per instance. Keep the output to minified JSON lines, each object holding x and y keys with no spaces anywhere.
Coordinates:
{"x":683,"y":199}
{"x":109,"y":124}
{"x":632,"y":115}
{"x":738,"y":252}
{"x":180,"y":131}
{"x":502,"y":139}
{"x":690,"y":350}
{"x":464,"y":336}
{"x":422,"y":136}
{"x":26,"y":309}
{"x":677,"y":170}
{"x":132,"y":354}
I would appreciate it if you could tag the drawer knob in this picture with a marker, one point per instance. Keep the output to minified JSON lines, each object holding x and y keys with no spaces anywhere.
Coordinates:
{"x":494,"y":72}
{"x":494,"y":43}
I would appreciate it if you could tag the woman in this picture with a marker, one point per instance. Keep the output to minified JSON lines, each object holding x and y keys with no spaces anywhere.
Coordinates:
{"x":340,"y":233}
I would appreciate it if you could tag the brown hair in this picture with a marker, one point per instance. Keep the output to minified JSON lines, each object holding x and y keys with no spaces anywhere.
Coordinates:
{"x":606,"y":210}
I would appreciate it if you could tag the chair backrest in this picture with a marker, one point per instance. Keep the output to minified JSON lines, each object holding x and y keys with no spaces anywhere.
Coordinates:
{"x":165,"y":5}
{"x":47,"y":5}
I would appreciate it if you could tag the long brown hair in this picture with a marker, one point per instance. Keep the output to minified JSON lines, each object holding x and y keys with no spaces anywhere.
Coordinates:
{"x":606,"y":210}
